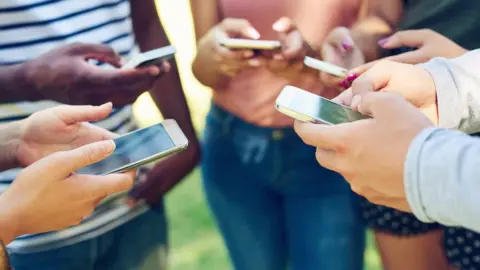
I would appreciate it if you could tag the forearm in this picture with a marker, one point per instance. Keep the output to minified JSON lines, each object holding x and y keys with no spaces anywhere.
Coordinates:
{"x":458,"y":97}
{"x":10,"y":136}
{"x":14,"y":86}
{"x":442,"y":178}
{"x":169,"y":97}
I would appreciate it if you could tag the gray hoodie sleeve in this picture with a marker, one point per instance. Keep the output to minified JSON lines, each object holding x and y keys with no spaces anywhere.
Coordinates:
{"x":442,"y":169}
{"x":442,"y":178}
{"x":457,"y":82}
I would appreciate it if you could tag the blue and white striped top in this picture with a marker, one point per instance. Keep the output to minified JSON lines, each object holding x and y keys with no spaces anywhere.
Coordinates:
{"x":29,"y":28}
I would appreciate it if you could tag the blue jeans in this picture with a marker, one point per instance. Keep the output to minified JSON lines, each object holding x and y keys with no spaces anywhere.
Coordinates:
{"x":275,"y":206}
{"x":140,"y":244}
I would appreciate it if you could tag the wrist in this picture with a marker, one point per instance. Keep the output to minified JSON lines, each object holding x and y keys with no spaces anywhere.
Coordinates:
{"x":11,"y":135}
{"x":25,"y":76}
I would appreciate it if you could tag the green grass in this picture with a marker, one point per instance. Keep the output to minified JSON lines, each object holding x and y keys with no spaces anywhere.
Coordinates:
{"x":194,"y":240}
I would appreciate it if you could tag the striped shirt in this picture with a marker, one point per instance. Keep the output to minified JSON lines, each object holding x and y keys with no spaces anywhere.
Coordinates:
{"x":29,"y":28}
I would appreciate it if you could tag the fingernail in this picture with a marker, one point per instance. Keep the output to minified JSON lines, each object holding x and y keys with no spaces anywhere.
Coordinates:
{"x":108,"y":104}
{"x":254,"y":62}
{"x":154,"y":71}
{"x":280,"y":25}
{"x":347,"y":44}
{"x":253,"y":33}
{"x":356,"y":102}
{"x":352,"y":77}
{"x":278,"y":57}
{"x":248,"y":54}
{"x":382,"y":42}
{"x":108,"y":149}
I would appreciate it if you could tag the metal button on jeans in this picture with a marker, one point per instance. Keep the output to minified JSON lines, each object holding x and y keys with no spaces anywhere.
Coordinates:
{"x":277,"y":135}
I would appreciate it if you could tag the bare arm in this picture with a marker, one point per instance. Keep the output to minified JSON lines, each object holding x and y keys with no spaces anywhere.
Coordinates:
{"x":10,"y":135}
{"x":169,"y":97}
{"x":13,"y":86}
{"x":379,"y":19}
{"x":205,"y":16}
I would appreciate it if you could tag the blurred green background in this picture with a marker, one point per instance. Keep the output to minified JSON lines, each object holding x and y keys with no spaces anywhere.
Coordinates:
{"x":194,"y":240}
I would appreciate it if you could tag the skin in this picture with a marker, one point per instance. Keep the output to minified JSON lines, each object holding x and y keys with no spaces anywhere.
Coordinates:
{"x":52,"y":145}
{"x":379,"y":21}
{"x":50,"y":188}
{"x":169,"y":97}
{"x":215,"y":65}
{"x":64,"y":75}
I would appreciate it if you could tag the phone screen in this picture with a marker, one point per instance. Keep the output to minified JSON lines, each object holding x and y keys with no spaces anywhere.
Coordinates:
{"x":133,"y":147}
{"x":324,"y":110}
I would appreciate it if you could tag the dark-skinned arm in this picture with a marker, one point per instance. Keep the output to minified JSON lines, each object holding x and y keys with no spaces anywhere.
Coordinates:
{"x":13,"y":87}
{"x":170,"y":99}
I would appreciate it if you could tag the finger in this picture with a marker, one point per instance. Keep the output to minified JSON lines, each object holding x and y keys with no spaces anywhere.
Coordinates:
{"x":294,"y":46}
{"x":117,"y":77}
{"x":345,"y":98}
{"x":75,"y":114}
{"x":103,"y":53}
{"x":284,"y":25}
{"x":60,"y":165}
{"x":381,"y":104}
{"x":413,"y":57}
{"x":375,"y":78}
{"x":101,"y":186}
{"x":333,"y":82}
{"x":237,"y":55}
{"x":408,"y":38}
{"x":322,"y":136}
{"x":227,"y":53}
{"x":327,"y":159}
{"x":239,"y":28}
{"x":92,"y":133}
{"x":341,"y":39}
{"x":358,"y":71}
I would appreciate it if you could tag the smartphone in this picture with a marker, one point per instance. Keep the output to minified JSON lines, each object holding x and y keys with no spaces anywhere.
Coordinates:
{"x":252,"y":44}
{"x":153,"y":57}
{"x":325,"y":67}
{"x":308,"y":107}
{"x":141,"y":147}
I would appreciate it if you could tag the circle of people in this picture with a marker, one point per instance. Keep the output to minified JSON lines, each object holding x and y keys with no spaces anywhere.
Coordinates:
{"x":412,"y":166}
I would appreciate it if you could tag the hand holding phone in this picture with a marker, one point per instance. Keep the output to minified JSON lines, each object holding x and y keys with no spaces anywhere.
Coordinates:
{"x":308,"y":107}
{"x":150,"y":58}
{"x":141,"y":147}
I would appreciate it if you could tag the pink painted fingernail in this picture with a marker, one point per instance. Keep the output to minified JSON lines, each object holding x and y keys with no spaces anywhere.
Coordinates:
{"x":382,"y":42}
{"x":352,"y":77}
{"x":347,"y":44}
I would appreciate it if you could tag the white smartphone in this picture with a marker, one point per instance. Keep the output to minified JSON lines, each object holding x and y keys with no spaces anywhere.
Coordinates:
{"x":252,"y":44}
{"x":153,"y":57}
{"x":141,"y":147}
{"x":308,"y":107}
{"x":325,"y":67}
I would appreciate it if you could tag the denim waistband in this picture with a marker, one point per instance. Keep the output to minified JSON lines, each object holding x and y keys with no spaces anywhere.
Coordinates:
{"x":229,"y":122}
